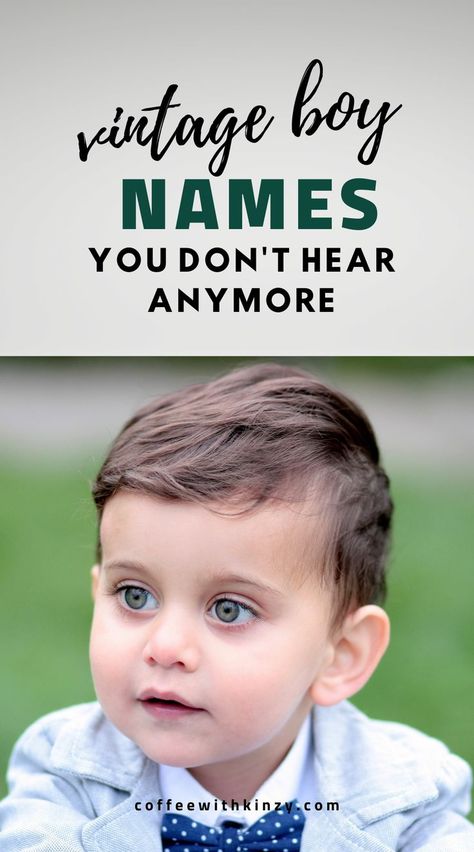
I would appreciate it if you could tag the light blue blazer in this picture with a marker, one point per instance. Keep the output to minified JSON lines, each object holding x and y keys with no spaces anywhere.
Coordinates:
{"x":74,"y":780}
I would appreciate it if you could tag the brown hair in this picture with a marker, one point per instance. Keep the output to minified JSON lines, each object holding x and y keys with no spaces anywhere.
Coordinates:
{"x":261,"y":433}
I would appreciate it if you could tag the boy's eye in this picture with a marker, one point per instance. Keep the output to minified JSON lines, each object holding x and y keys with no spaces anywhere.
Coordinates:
{"x":134,"y":597}
{"x":231,"y":612}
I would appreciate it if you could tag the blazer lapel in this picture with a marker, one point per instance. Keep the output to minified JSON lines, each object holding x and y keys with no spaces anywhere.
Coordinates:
{"x":124,"y":829}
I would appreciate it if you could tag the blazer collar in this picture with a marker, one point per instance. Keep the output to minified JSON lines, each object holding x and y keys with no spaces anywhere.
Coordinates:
{"x":89,"y":746}
{"x":369,"y":767}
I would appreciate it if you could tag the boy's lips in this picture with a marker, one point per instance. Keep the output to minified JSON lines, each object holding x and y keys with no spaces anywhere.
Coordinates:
{"x":166,"y":704}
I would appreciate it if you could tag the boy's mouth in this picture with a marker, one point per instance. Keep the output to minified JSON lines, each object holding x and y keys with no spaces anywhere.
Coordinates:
{"x":166,"y":704}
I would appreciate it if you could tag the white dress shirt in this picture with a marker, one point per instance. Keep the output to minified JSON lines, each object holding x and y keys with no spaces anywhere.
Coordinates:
{"x":293,"y":779}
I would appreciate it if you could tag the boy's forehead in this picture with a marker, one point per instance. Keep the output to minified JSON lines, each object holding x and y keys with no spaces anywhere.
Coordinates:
{"x":280,"y":537}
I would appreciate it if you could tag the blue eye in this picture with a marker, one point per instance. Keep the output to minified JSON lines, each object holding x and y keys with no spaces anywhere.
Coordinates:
{"x":231,"y":612}
{"x":134,"y":597}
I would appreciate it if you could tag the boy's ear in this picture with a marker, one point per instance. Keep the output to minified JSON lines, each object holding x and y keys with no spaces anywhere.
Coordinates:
{"x":356,"y":651}
{"x":95,"y":580}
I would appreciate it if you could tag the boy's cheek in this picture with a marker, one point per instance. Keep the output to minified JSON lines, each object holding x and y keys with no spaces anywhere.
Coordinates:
{"x":95,"y":576}
{"x":106,"y":674}
{"x":104,"y":626}
{"x":95,"y":655}
{"x":104,"y":651}
{"x":110,"y":650}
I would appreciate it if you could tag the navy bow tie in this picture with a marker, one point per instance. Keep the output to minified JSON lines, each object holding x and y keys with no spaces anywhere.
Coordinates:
{"x":277,"y":830}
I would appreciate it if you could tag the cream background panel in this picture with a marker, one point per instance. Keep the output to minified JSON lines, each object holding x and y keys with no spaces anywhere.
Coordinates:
{"x":68,"y":65}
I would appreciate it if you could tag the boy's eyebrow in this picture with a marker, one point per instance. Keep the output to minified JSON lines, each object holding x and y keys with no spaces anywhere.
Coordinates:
{"x":123,"y":564}
{"x":246,"y":581}
{"x":129,"y":565}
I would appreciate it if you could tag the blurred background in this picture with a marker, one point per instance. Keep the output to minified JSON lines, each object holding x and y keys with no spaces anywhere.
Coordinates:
{"x":58,"y":416}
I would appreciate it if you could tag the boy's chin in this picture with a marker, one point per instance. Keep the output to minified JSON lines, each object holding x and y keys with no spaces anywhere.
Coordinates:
{"x":191,"y":754}
{"x":177,"y":758}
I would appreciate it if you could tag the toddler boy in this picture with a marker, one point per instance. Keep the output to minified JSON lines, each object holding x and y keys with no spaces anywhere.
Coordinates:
{"x":244,"y":526}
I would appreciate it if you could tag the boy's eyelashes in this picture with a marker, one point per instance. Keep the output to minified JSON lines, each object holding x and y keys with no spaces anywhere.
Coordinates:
{"x":225,"y":609}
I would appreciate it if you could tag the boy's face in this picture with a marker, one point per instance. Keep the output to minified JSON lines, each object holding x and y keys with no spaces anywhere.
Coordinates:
{"x":217,"y":617}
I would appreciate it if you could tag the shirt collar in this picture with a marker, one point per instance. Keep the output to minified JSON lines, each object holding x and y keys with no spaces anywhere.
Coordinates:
{"x":289,"y":781}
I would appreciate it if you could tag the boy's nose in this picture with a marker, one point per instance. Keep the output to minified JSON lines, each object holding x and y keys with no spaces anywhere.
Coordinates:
{"x":171,"y":643}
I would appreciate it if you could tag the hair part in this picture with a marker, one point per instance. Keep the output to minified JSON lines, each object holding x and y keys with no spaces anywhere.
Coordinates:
{"x":264,"y":433}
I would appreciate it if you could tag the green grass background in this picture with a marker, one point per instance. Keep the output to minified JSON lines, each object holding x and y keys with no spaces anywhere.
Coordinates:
{"x":46,"y":549}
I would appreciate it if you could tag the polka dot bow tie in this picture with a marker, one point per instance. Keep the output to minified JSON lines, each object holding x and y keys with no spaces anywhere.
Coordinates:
{"x":277,"y":831}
